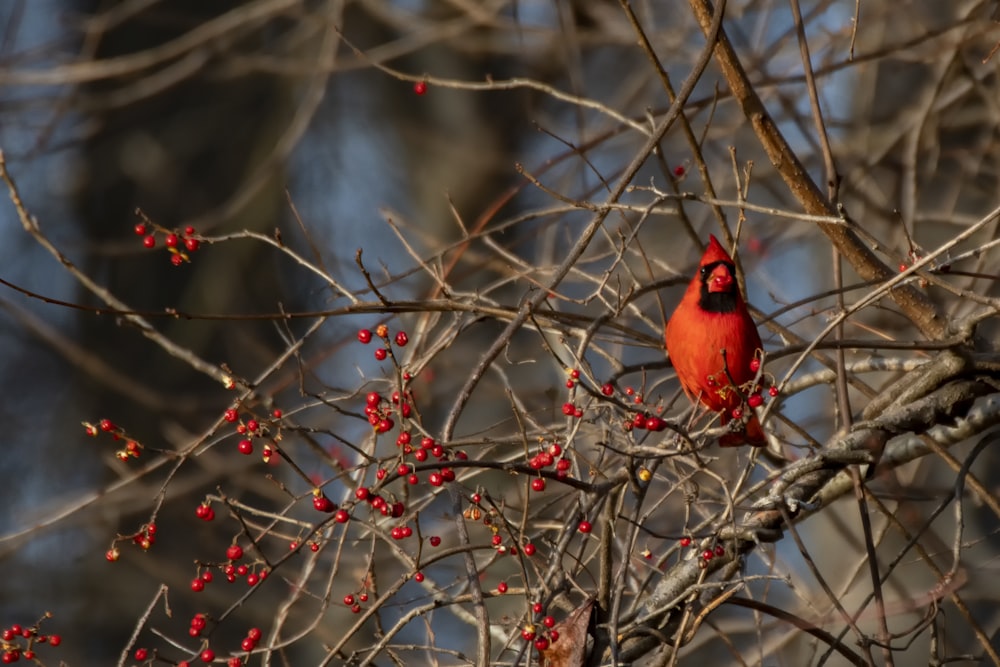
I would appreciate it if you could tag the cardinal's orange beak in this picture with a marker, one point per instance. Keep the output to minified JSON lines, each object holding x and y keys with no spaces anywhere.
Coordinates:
{"x":720,"y":279}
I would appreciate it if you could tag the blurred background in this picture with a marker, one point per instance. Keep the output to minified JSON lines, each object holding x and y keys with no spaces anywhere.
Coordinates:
{"x":352,"y":124}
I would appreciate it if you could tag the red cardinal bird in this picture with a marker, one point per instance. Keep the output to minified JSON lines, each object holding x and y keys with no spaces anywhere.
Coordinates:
{"x":713,"y":317}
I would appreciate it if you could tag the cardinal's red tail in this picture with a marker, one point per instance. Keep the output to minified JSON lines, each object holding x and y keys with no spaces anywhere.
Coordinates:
{"x":753,"y":435}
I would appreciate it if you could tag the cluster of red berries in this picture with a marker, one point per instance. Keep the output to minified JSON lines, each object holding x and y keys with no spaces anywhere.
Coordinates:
{"x":178,"y":245}
{"x":206,"y":656}
{"x":20,"y":642}
{"x":204,"y":511}
{"x":249,"y":642}
{"x":382,"y":331}
{"x":232,"y":570}
{"x":644,"y":421}
{"x":354,"y":601}
{"x":706,"y":555}
{"x":323,"y":504}
{"x":144,"y":539}
{"x":543,"y":639}
{"x":428,"y":447}
{"x":249,"y":429}
{"x":551,"y":455}
{"x":379,"y":411}
{"x":474,"y":512}
{"x":146,"y":536}
{"x":497,"y":542}
{"x":132,"y":448}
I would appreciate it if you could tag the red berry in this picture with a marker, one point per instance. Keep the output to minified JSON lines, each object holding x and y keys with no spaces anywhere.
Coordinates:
{"x":755,"y":400}
{"x":172,"y":240}
{"x":176,"y":260}
{"x":191,"y":244}
{"x":435,"y":540}
{"x":245,"y":447}
{"x":538,"y":484}
{"x":496,"y":540}
{"x":548,"y":621}
{"x":248,"y":644}
{"x":234,"y":552}
{"x":207,"y":576}
{"x":254,"y":634}
{"x":149,"y":241}
{"x":189,"y":230}
{"x":341,"y":516}
{"x":528,"y":633}
{"x":348,"y":599}
{"x":737,"y":413}
{"x":140,"y":229}
{"x":502,"y":587}
{"x":197,"y":585}
{"x":208,"y":655}
{"x":568,"y":409}
{"x":323,"y":504}
{"x":685,"y":541}
{"x":420,"y":87}
{"x":402,"y":339}
{"x":541,"y":643}
{"x":418,"y":577}
{"x":608,"y":389}
{"x":141,"y":653}
{"x":381,"y":354}
{"x":585,"y":527}
{"x":707,"y":554}
{"x":720,"y":550}
{"x":773,"y":391}
{"x":55,"y":640}
{"x":231,"y":415}
{"x":529,"y":549}
{"x":112,"y":555}
{"x":241,"y":570}
{"x":679,"y":170}
{"x":365,"y":336}
{"x":655,"y":424}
